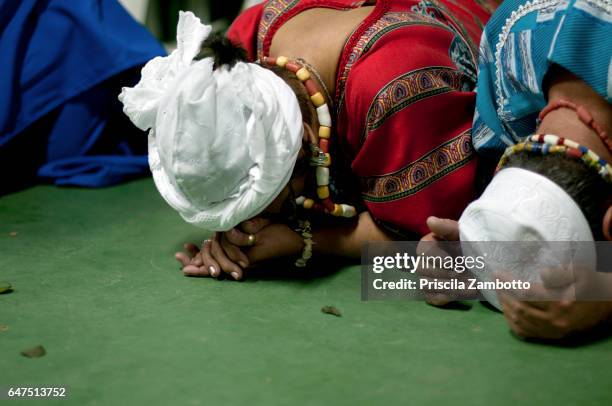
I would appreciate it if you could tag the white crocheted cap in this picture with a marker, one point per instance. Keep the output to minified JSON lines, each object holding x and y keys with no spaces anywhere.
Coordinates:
{"x":520,"y":205}
{"x":222,"y":143}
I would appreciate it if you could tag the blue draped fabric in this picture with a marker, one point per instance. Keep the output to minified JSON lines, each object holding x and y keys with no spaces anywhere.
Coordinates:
{"x":62,"y":65}
{"x":521,"y":41}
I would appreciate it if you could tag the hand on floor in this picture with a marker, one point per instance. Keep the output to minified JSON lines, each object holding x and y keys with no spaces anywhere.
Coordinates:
{"x":222,"y":253}
{"x":442,"y":230}
{"x":552,"y":320}
{"x":233,"y":251}
{"x":549,"y":310}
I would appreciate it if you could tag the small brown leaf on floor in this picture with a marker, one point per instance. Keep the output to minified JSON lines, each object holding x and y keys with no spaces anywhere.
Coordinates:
{"x":3,"y":327}
{"x":331,"y":310}
{"x":13,"y":233}
{"x":5,"y":287}
{"x":34,"y":352}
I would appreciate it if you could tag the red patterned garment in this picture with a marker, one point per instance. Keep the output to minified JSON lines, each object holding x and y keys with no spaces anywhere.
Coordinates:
{"x":404,"y":101}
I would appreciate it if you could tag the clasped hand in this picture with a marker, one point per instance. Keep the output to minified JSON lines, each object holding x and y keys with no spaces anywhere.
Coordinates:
{"x":231,"y":252}
{"x":551,"y":309}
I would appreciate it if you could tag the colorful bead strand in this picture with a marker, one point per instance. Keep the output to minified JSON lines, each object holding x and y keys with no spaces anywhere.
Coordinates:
{"x":321,"y":157}
{"x":546,"y":144}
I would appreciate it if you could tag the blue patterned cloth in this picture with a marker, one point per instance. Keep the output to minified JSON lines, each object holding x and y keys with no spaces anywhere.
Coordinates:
{"x":520,"y":43}
{"x":63,"y":63}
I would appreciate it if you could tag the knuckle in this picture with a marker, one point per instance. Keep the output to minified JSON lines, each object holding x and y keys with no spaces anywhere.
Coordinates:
{"x":249,"y":226}
{"x":561,"y":324}
{"x":520,"y":332}
{"x":438,"y":299}
{"x":565,"y":306}
{"x":232,"y":235}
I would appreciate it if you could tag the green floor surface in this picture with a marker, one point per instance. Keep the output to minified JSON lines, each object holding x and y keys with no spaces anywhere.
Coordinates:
{"x":96,"y":284}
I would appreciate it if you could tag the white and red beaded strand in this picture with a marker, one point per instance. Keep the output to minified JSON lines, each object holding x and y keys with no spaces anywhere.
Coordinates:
{"x":321,"y":158}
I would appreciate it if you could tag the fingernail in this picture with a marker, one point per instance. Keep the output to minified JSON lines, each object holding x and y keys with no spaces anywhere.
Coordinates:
{"x":213,"y":271}
{"x":235,"y":275}
{"x":242,"y":264}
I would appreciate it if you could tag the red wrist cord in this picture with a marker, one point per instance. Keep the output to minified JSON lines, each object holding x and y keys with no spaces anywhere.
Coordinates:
{"x":583,"y":115}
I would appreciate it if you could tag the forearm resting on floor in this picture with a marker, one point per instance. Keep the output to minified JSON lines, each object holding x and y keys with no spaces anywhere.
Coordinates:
{"x":347,"y":240}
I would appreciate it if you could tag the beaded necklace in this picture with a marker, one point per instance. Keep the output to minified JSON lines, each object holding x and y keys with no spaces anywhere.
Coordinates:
{"x":545,"y":144}
{"x":320,"y":158}
{"x":314,"y":72}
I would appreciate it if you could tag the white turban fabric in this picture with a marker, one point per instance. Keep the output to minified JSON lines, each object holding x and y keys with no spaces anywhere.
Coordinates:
{"x":521,"y":206}
{"x":222,"y":143}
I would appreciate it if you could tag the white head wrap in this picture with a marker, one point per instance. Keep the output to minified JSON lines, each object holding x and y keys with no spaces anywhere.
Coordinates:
{"x":520,"y":205}
{"x":222,"y":143}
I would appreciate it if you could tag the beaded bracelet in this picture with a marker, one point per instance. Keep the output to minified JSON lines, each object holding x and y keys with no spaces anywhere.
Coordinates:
{"x":583,"y":115}
{"x":306,"y":232}
{"x":545,"y":144}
